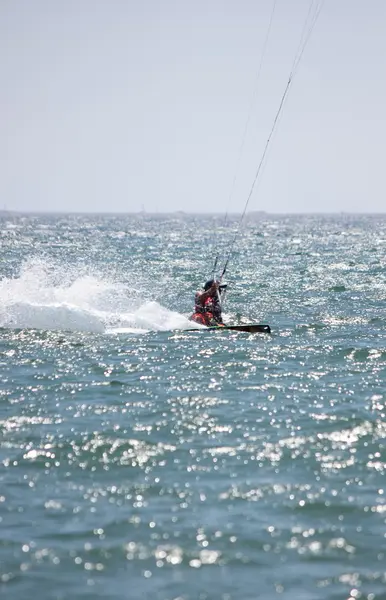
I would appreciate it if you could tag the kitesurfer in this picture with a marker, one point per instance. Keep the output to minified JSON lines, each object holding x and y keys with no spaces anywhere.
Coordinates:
{"x":207,"y":304}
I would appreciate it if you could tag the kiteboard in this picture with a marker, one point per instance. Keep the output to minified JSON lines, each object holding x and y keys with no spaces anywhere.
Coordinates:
{"x":249,"y":328}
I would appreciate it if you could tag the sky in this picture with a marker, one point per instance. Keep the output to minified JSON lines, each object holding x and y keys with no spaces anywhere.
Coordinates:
{"x":122,"y":106}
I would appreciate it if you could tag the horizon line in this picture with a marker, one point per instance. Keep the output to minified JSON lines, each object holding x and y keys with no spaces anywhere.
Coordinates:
{"x":5,"y":211}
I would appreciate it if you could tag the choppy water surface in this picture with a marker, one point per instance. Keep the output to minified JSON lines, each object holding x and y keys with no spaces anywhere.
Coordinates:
{"x":140,"y":460}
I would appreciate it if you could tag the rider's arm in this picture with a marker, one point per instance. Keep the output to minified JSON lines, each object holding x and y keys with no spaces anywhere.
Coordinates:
{"x":211,"y":292}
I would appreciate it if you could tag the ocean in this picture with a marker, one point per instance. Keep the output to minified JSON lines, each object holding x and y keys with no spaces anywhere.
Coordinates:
{"x":139,"y":460}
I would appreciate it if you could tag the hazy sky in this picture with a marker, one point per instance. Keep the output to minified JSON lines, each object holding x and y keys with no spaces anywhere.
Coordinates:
{"x":115,"y":105}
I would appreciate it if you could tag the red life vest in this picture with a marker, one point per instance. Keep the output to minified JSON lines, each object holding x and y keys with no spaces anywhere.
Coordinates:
{"x":209,"y":313}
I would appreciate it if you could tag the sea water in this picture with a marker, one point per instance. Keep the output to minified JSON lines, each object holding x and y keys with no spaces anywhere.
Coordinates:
{"x":141,"y":460}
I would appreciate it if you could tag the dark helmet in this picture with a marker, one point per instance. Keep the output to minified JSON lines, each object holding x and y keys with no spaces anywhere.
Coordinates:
{"x":208,"y":285}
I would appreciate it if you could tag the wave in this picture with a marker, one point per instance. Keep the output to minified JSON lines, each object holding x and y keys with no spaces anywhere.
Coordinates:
{"x":49,"y":296}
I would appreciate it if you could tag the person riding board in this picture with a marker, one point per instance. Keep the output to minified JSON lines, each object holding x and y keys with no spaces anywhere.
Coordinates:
{"x":207,"y":304}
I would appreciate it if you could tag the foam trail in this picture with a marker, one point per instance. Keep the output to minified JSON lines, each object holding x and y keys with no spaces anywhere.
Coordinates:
{"x":151,"y":316}
{"x":52,"y":297}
